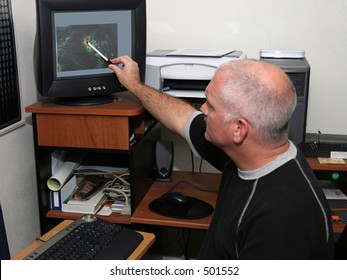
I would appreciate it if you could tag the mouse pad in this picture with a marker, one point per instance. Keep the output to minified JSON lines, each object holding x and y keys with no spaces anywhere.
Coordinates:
{"x":193,"y":209}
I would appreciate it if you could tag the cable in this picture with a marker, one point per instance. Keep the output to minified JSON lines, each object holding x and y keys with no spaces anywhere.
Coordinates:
{"x":118,"y":180}
{"x":41,"y":240}
{"x":117,"y":189}
{"x":114,"y":193}
{"x":192,"y":161}
{"x":191,"y":184}
{"x":200,"y":167}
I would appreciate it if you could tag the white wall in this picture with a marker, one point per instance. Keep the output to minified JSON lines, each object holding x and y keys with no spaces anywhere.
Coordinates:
{"x":18,"y":194}
{"x":317,"y":26}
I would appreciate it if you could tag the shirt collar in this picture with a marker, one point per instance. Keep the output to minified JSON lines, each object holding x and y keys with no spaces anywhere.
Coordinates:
{"x":271,"y":166}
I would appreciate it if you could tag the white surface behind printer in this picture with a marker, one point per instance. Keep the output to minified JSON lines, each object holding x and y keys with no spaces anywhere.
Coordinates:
{"x":192,"y":68}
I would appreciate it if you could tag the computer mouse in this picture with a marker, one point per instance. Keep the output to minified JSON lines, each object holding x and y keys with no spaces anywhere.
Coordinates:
{"x":175,"y":197}
{"x":178,"y":205}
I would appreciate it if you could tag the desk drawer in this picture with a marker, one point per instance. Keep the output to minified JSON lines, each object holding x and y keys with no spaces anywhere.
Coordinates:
{"x":83,"y":131}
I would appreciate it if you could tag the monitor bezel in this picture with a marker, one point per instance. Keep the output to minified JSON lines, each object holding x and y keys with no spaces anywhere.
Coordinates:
{"x":72,"y":87}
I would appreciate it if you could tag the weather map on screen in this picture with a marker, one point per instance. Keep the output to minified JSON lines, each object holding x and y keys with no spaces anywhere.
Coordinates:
{"x":108,"y":31}
{"x":75,"y":42}
{"x":74,"y":53}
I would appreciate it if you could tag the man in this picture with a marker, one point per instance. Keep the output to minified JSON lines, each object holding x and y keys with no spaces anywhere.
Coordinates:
{"x":270,"y":205}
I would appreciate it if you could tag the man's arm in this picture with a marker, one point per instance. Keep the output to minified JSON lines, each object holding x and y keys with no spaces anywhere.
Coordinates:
{"x":170,"y":111}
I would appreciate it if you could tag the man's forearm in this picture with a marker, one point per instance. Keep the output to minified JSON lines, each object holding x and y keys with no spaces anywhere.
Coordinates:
{"x":170,"y":111}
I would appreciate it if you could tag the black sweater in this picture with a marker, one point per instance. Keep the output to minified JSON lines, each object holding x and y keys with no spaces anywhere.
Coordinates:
{"x":275,"y":212}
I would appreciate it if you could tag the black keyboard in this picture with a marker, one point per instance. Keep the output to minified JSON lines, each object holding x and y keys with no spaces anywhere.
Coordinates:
{"x":89,"y":238}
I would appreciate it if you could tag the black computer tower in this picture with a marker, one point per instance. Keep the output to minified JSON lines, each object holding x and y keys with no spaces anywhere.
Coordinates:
{"x":298,"y":71}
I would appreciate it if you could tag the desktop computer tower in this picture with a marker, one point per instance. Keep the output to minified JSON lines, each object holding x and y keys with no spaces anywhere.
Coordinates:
{"x":298,"y":70}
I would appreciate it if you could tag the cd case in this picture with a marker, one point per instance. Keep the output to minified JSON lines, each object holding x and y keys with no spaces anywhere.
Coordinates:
{"x":87,"y":188}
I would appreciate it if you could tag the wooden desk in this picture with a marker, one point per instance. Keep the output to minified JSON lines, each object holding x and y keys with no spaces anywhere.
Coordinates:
{"x":317,"y":166}
{"x":182,"y":182}
{"x":188,"y":184}
{"x":103,"y":131}
{"x":103,"y":126}
{"x":148,"y":240}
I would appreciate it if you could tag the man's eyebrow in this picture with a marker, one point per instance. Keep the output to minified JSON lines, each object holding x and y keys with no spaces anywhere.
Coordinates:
{"x":207,"y":100}
{"x":206,"y":94}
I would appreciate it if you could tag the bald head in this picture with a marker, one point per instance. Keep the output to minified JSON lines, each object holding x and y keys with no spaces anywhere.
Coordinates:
{"x":261,"y":93}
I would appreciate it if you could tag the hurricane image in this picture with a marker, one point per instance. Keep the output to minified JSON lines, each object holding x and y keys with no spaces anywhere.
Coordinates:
{"x":73,"y":51}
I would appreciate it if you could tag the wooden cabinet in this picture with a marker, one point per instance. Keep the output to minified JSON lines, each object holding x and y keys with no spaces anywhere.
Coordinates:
{"x":104,"y":132}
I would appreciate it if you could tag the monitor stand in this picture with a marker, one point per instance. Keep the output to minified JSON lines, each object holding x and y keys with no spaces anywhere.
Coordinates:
{"x":86,"y":101}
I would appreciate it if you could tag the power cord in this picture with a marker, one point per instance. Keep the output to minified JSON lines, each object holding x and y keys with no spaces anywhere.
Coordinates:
{"x":118,"y":181}
{"x":119,"y":189}
{"x":190,"y":184}
{"x":115,"y":193}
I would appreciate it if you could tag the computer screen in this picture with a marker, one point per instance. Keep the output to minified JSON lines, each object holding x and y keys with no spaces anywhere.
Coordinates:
{"x":73,"y":39}
{"x":72,"y":32}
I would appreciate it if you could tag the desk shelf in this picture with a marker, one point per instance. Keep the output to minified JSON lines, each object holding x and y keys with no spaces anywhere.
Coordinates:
{"x":148,"y":240}
{"x":113,"y":218}
{"x":101,"y":130}
{"x":204,"y":186}
{"x":317,"y":166}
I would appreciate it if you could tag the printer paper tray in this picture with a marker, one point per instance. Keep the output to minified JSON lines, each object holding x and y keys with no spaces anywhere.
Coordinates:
{"x":186,"y":93}
{"x":184,"y":84}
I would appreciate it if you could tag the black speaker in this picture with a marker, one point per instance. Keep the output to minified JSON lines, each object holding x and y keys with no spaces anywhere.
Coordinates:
{"x":164,"y":160}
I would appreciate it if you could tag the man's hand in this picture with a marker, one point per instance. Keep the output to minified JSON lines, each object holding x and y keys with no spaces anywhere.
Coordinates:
{"x":127,"y":71}
{"x":172,"y":112}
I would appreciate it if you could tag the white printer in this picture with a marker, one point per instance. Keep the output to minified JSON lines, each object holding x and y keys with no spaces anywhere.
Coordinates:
{"x":185,"y":73}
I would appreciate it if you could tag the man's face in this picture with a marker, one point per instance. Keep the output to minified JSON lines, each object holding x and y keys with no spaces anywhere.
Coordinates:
{"x":216,"y":128}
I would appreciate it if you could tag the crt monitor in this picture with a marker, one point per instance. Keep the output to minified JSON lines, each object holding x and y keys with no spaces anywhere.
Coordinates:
{"x":68,"y":69}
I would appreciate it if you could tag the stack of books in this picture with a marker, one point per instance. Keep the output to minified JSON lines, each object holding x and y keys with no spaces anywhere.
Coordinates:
{"x":89,"y":206}
{"x":83,"y":192}
{"x":64,"y":200}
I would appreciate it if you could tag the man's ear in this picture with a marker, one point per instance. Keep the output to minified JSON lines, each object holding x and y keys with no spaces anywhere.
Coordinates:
{"x":241,"y":130}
